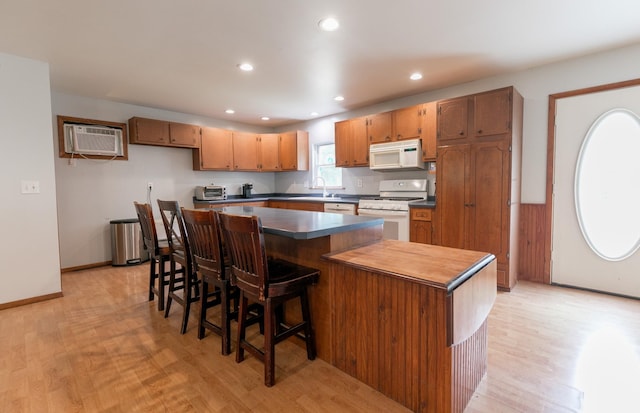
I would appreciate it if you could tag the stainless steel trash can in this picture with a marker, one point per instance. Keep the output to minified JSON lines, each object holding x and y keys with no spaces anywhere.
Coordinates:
{"x":127,"y":245}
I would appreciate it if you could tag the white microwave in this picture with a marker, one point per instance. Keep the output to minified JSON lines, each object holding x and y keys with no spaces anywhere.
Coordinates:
{"x":394,"y":156}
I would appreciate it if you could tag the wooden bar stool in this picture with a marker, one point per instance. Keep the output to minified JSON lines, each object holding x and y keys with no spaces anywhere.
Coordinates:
{"x":209,"y":260}
{"x":269,"y":283}
{"x":159,"y":253}
{"x":183,"y":283}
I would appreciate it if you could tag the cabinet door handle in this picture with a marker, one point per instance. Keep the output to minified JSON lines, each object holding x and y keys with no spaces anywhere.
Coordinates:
{"x":479,"y":131}
{"x":461,"y":133}
{"x":470,"y":205}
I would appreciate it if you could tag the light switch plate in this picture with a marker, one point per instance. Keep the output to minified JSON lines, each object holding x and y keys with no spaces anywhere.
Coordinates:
{"x":30,"y":187}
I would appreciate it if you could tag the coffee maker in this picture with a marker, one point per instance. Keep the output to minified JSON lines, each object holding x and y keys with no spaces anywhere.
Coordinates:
{"x":246,"y":190}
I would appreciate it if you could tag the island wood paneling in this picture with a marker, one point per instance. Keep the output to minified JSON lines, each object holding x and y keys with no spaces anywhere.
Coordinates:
{"x":309,"y":252}
{"x":468,"y":370}
{"x":532,"y":245}
{"x":391,"y":334}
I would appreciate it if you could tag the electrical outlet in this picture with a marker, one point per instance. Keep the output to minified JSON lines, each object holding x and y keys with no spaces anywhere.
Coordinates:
{"x":359,"y":183}
{"x":150,"y":186}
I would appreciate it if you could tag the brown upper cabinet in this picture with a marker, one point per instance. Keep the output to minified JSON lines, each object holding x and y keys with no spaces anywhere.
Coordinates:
{"x":429,"y":130}
{"x":215,"y":152}
{"x":226,"y":150}
{"x":245,"y":151}
{"x":352,"y":145}
{"x":417,"y":122}
{"x":414,"y":122}
{"x":163,"y":133}
{"x":407,"y":122}
{"x":379,"y":127}
{"x":218,"y":149}
{"x":269,"y":152}
{"x":476,"y":116}
{"x":294,"y":151}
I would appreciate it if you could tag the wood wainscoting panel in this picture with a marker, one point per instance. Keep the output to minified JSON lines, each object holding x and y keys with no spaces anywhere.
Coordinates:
{"x":532,"y":242}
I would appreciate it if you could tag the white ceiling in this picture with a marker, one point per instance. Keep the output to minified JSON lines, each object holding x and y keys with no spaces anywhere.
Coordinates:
{"x":181,"y":55}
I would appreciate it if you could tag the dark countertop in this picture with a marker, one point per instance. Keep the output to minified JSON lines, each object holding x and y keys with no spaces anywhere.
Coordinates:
{"x":303,"y":224}
{"x":422,"y":204}
{"x":345,"y":199}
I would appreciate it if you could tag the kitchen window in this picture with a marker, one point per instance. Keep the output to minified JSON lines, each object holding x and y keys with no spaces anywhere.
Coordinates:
{"x":324,"y":166}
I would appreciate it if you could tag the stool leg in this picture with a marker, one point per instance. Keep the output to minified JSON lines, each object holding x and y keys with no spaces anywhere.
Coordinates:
{"x":161,"y":283}
{"x":187,"y":304}
{"x":172,"y":282}
{"x":152,"y":277}
{"x":308,"y":328}
{"x":269,"y":343}
{"x":242,"y":325}
{"x":203,"y":308}
{"x":225,"y":320}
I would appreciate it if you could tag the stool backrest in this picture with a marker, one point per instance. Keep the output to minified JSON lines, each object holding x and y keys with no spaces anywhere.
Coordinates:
{"x":246,"y":248}
{"x":203,"y":233}
{"x":174,"y":226}
{"x":148,"y":227}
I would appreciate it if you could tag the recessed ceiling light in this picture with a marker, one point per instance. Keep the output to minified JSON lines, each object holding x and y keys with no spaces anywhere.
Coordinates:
{"x":245,"y":67}
{"x":329,"y":24}
{"x":339,"y":98}
{"x":415,"y":76}
{"x":265,"y":118}
{"x":314,"y":114}
{"x":230,"y":111}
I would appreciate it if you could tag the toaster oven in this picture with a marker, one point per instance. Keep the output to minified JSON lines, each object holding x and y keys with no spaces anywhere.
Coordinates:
{"x":210,"y":193}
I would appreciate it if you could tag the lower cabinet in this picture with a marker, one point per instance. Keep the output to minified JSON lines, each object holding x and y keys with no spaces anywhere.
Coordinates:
{"x":227,"y":204}
{"x":420,"y":225}
{"x":301,"y":206}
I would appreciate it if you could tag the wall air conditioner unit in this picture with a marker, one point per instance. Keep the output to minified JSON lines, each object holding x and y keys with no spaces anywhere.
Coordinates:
{"x":93,"y":140}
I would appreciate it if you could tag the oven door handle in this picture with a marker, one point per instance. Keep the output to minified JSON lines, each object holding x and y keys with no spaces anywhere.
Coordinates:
{"x":382,"y":212}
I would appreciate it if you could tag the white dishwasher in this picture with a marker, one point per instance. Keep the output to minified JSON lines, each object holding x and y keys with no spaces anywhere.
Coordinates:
{"x":340,"y":208}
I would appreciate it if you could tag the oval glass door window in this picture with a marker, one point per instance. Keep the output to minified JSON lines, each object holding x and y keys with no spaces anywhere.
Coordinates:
{"x":607,"y":185}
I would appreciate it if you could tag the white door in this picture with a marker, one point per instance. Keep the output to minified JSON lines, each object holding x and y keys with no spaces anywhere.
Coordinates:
{"x":574,"y":261}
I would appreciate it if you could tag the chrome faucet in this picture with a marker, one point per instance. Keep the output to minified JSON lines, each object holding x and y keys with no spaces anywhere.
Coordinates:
{"x":325,"y":194}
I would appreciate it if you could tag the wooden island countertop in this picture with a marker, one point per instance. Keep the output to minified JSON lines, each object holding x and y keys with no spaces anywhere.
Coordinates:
{"x":439,"y":267}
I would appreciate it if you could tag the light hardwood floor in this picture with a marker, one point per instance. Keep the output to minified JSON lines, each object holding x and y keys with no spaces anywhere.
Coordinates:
{"x":104,"y":348}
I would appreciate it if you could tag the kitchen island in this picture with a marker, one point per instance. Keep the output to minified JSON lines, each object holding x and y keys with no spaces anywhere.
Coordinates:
{"x":304,"y":237}
{"x":410,"y":320}
{"x":407,"y":319}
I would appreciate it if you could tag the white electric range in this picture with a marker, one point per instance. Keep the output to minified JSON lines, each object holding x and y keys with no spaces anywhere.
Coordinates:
{"x":393,"y":205}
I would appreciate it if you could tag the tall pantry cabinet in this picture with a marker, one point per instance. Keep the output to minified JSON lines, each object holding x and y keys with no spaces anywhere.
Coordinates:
{"x":479,"y":152}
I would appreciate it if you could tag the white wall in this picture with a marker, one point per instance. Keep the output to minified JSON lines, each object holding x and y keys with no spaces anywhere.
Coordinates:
{"x":535,"y":85}
{"x":29,"y":242}
{"x":92,"y":193}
